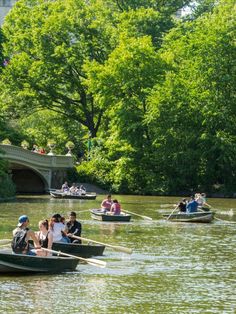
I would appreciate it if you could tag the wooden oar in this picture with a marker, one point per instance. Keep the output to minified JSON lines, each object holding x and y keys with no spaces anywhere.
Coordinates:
{"x":91,"y":261}
{"x":172,"y":212}
{"x":144,"y":217}
{"x":115,"y":247}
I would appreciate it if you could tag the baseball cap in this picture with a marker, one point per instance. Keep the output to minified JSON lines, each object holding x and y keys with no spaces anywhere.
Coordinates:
{"x":22,"y":219}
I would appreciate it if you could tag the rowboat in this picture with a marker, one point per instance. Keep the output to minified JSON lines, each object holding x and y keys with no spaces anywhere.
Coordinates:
{"x":21,"y":263}
{"x":68,"y":195}
{"x":99,"y":214}
{"x":191,"y":217}
{"x":82,"y":250}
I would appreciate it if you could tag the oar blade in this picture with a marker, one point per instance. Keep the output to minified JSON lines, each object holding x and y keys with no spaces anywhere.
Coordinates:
{"x":96,"y":262}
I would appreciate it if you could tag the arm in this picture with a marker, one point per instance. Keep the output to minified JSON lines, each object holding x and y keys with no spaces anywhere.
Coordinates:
{"x":32,"y":235}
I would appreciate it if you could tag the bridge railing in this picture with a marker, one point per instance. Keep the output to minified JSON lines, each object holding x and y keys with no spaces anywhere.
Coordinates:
{"x":24,"y":156}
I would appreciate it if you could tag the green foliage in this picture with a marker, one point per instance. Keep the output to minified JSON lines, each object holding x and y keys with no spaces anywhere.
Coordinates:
{"x":7,"y":188}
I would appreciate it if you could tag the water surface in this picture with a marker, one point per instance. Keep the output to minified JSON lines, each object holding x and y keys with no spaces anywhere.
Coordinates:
{"x":175,"y":267}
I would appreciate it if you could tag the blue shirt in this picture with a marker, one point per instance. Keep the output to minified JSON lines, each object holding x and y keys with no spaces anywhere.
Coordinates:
{"x":192,"y":206}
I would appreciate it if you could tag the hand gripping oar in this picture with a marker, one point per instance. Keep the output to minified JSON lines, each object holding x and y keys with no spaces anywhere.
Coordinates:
{"x":90,"y":261}
{"x":144,"y":217}
{"x":115,"y":247}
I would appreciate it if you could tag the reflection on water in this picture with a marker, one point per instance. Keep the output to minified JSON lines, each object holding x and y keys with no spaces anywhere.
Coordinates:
{"x":175,"y":267}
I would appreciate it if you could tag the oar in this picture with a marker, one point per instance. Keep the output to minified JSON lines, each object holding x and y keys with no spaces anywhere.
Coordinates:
{"x":172,"y":212}
{"x":91,"y":261}
{"x":144,"y":217}
{"x":115,"y":247}
{"x":5,"y":241}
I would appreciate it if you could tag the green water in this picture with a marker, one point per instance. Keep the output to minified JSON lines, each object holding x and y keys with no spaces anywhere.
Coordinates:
{"x":175,"y":267}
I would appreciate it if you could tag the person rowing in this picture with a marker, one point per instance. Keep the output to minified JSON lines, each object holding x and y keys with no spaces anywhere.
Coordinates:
{"x":73,"y":228}
{"x":192,"y":205}
{"x":201,"y":199}
{"x":106,"y":203}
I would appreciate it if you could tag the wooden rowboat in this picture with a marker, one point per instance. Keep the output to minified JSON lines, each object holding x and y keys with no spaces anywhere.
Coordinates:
{"x":99,"y":214}
{"x":191,"y":217}
{"x":82,"y":250}
{"x":21,"y":263}
{"x":68,"y":195}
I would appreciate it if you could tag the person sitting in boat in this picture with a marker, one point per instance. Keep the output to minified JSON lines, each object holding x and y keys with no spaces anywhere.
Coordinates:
{"x":21,"y":236}
{"x":106,"y":203}
{"x":65,"y":187}
{"x":201,"y":199}
{"x":58,"y":229}
{"x":182,"y":205}
{"x":73,"y":189}
{"x":115,"y":208}
{"x":192,"y":205}
{"x":82,"y":190}
{"x":45,"y":237}
{"x":73,"y":228}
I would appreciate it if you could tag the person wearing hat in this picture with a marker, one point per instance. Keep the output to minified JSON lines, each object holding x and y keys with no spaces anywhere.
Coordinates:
{"x":21,"y":236}
{"x":73,"y":227}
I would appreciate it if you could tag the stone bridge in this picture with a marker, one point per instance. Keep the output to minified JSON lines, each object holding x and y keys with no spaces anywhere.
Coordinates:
{"x":33,"y":172}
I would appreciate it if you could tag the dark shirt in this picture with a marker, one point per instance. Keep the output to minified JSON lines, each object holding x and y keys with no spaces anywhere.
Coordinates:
{"x":74,"y":228}
{"x":182,"y":206}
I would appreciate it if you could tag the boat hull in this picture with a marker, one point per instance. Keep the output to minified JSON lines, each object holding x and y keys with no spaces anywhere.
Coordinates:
{"x":82,"y":250}
{"x":71,"y":196}
{"x":21,"y":263}
{"x":98,"y":214}
{"x":204,"y":217}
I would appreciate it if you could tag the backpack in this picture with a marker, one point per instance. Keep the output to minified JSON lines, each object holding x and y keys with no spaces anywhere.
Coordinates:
{"x":19,"y":243}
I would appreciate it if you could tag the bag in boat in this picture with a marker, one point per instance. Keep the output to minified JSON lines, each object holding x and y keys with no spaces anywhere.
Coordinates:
{"x":19,"y":243}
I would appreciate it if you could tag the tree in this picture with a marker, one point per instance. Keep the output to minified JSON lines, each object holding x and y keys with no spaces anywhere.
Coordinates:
{"x":196,"y":103}
{"x":48,"y":43}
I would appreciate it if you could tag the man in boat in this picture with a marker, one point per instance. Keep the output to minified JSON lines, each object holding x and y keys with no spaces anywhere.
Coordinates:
{"x":21,"y":236}
{"x":106,"y":203}
{"x":73,"y":227}
{"x":65,"y":187}
{"x":192,"y":205}
{"x":182,"y":205}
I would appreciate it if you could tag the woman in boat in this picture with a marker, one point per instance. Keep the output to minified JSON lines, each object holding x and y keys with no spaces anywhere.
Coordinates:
{"x":115,"y":208}
{"x":73,"y":227}
{"x":45,"y":237}
{"x":58,"y":229}
{"x":106,"y":203}
{"x":201,"y":199}
{"x":21,"y":236}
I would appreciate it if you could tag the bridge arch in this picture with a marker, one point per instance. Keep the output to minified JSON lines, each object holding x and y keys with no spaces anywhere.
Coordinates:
{"x":35,"y":173}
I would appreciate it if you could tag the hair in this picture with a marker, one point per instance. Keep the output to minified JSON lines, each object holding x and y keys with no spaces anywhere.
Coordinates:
{"x":115,"y":201}
{"x":109,"y":195}
{"x":73,"y":214}
{"x":44,"y":223}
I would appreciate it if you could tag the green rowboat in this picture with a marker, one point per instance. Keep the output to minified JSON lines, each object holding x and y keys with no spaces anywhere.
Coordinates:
{"x":21,"y":263}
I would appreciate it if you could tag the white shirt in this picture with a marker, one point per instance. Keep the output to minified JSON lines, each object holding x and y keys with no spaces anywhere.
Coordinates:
{"x":58,"y":227}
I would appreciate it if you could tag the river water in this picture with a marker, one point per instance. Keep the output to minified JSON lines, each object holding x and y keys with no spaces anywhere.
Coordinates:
{"x":174,"y":268}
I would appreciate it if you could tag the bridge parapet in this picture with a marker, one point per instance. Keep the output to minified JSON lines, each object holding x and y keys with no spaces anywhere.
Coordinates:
{"x":34,"y":172}
{"x":15,"y":153}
